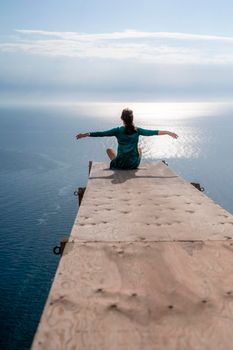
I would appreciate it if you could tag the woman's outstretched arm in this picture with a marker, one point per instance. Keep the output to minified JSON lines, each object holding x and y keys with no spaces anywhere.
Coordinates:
{"x":147,"y":132}
{"x":111,"y":132}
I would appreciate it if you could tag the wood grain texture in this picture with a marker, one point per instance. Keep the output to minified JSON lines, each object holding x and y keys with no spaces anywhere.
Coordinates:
{"x":141,"y":295}
{"x":151,"y":203}
{"x":148,"y":265}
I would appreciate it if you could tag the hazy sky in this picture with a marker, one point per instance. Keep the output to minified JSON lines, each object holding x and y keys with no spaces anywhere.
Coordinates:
{"x":116,"y":50}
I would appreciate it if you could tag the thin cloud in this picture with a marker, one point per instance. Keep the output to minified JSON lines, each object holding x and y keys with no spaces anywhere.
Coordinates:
{"x":152,"y":47}
{"x":128,"y":34}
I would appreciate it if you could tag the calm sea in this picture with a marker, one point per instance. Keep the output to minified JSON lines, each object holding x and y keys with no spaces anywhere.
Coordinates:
{"x":41,"y":164}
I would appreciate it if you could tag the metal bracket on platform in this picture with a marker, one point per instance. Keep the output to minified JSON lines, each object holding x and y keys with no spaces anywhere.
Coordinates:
{"x":58,"y":250}
{"x":80,"y":194}
{"x":198,"y":186}
{"x":90,"y":165}
{"x":164,"y":161}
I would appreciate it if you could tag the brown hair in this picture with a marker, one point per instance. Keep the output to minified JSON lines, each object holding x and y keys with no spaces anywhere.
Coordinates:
{"x":127,"y":117}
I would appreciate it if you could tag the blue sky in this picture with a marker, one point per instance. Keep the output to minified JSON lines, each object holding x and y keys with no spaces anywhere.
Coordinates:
{"x":116,"y":50}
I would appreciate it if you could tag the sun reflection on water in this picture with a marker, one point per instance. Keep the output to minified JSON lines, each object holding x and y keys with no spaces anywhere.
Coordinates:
{"x":186,"y":146}
{"x":173,"y":117}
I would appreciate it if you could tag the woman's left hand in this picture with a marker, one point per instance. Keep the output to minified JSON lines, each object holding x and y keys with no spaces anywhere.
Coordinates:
{"x":81,"y":135}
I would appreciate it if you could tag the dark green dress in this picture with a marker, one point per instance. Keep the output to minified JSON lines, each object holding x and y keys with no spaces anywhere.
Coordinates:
{"x":127,"y":152}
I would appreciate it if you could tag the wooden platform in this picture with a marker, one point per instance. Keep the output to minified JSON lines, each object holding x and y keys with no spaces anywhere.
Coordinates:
{"x":149,"y":265}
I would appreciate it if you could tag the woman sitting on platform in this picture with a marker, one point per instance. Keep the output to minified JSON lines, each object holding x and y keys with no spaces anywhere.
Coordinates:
{"x":128,"y":153}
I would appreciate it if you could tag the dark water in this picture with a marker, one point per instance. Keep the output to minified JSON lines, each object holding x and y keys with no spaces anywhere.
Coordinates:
{"x":41,"y":164}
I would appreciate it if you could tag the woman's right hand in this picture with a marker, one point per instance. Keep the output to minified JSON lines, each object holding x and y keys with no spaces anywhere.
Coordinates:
{"x":173,"y":135}
{"x":81,"y":135}
{"x":169,"y":133}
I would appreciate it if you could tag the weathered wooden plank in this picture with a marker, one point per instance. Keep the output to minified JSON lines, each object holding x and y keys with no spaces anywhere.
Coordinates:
{"x":151,"y":203}
{"x":125,"y":281}
{"x":141,"y":295}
